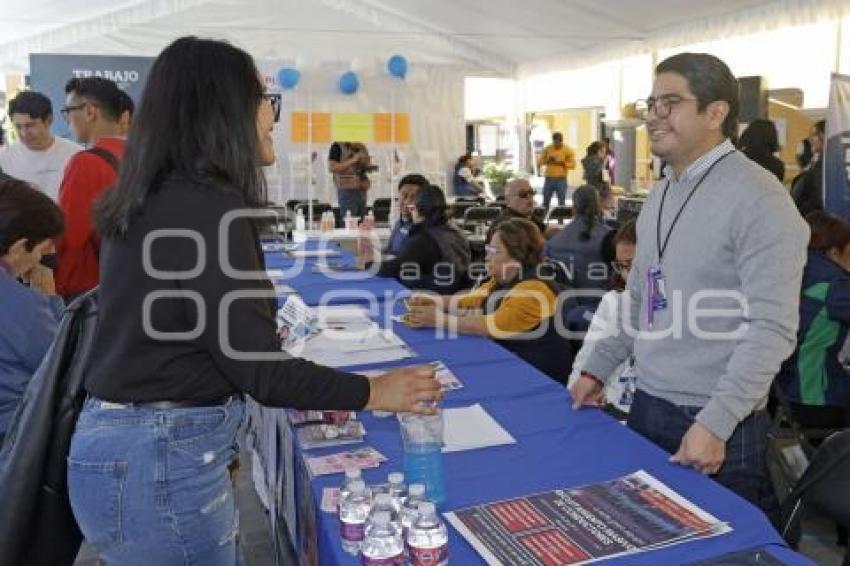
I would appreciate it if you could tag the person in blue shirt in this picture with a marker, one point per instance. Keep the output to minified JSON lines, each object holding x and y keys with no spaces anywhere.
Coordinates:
{"x":407,"y":189}
{"x":29,"y":307}
{"x":813,"y":379}
{"x":463,"y":181}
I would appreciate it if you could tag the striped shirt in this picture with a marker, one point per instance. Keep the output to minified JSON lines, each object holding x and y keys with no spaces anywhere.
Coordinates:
{"x":698,"y":167}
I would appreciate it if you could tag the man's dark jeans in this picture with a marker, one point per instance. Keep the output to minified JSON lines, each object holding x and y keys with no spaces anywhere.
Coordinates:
{"x":744,"y":470}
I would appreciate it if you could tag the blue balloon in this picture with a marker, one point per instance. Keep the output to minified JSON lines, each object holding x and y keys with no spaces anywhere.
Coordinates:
{"x":348,"y":82}
{"x":397,"y":66}
{"x":288,"y":77}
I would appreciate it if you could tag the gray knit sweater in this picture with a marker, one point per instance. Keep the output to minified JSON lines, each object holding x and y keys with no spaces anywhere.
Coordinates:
{"x":732,"y":271}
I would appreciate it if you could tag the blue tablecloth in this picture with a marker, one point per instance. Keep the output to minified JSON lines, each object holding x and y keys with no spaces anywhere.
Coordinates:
{"x":556,"y":446}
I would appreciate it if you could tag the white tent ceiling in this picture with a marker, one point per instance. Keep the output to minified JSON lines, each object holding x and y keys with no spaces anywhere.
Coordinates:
{"x":489,"y":37}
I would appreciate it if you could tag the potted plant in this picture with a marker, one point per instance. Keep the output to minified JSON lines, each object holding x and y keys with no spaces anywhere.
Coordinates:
{"x":497,"y":174}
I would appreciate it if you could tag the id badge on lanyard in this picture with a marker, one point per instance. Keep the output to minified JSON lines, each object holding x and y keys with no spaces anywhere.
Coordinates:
{"x":655,"y":292}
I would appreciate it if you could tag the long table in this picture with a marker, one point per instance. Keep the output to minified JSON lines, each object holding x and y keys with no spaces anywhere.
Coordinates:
{"x":556,"y":446}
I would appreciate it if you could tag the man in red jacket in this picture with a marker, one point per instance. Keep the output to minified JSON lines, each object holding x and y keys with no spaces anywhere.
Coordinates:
{"x":92,"y":109}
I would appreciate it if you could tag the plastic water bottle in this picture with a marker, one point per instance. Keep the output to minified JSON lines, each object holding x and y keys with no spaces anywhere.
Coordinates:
{"x":428,"y":540}
{"x":397,"y":489}
{"x":383,"y":502}
{"x":423,"y":458}
{"x":409,"y":511}
{"x":349,"y":221}
{"x":351,"y":475}
{"x":353,"y":512}
{"x":299,"y":235}
{"x":382,"y":545}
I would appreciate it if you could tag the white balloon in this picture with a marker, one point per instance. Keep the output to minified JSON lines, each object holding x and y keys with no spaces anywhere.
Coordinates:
{"x":304,"y":62}
{"x":356,"y":64}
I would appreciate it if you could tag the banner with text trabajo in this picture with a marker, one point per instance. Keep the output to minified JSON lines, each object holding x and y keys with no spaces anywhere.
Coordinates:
{"x":50,"y":72}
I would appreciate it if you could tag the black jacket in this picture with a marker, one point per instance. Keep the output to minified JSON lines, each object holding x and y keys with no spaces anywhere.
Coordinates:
{"x":36,"y":523}
{"x":807,"y":189}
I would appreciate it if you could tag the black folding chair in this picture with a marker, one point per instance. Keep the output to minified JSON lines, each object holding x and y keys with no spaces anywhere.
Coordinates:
{"x":539,"y":214}
{"x":458,"y":208}
{"x":823,"y":488}
{"x":277,"y":222}
{"x":559,"y":214}
{"x":809,"y":438}
{"x":472,"y":200}
{"x":319,"y":208}
{"x":480,"y":215}
{"x":292,"y":204}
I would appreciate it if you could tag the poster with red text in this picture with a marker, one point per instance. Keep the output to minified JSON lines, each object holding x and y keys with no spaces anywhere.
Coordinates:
{"x":634,"y":513}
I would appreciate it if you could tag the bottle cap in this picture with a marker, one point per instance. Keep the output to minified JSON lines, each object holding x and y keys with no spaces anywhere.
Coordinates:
{"x":427,"y":508}
{"x":383,"y":499}
{"x":395,"y":477}
{"x":416,"y":489}
{"x":352,"y":473}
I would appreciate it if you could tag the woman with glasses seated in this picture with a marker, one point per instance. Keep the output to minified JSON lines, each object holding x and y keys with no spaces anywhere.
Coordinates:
{"x":813,"y":379}
{"x":516,"y":305}
{"x":29,"y":308}
{"x":436,"y":255}
{"x":620,"y":390}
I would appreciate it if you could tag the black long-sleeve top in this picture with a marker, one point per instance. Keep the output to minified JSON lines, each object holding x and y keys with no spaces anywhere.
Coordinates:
{"x":130,"y":365}
{"x":419,"y":249}
{"x":416,"y":265}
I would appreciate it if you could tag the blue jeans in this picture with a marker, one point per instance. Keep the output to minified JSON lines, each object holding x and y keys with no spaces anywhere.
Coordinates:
{"x":151,"y":486}
{"x":353,"y":200}
{"x":745,"y":469}
{"x":557,"y":186}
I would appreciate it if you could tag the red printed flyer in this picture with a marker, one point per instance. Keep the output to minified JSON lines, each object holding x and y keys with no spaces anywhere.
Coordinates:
{"x":631,"y":514}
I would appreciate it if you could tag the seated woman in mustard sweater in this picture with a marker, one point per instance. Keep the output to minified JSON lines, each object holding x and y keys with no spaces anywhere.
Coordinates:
{"x":516,"y":305}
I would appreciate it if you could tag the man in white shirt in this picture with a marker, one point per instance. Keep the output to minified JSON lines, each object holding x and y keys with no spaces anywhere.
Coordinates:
{"x":38,"y":157}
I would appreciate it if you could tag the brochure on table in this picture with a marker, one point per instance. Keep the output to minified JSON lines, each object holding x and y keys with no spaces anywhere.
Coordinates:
{"x":363,"y":458}
{"x":631,"y":514}
{"x":448,"y":380}
{"x":338,"y":336}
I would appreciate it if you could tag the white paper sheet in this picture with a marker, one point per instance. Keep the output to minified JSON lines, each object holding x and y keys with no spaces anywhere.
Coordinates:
{"x":353,"y":346}
{"x":304,"y":254}
{"x":343,"y":315}
{"x":469,"y":428}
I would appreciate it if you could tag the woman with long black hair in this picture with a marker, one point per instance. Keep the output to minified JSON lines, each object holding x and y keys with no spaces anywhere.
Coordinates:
{"x":436,"y":255}
{"x":581,"y":244}
{"x":187,"y":321}
{"x":760,"y":142}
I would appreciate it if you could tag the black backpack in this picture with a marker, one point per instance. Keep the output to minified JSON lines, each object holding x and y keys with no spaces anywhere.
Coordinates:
{"x":37,"y":526}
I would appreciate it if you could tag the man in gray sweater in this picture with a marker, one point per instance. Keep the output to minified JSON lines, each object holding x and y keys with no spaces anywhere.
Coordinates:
{"x":713,"y":294}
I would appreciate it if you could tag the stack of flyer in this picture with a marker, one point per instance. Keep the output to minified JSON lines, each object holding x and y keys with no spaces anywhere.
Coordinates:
{"x":448,"y":380}
{"x":362,"y":458}
{"x":321,"y":435}
{"x":337,"y":336}
{"x":296,"y":322}
{"x":631,"y":514}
